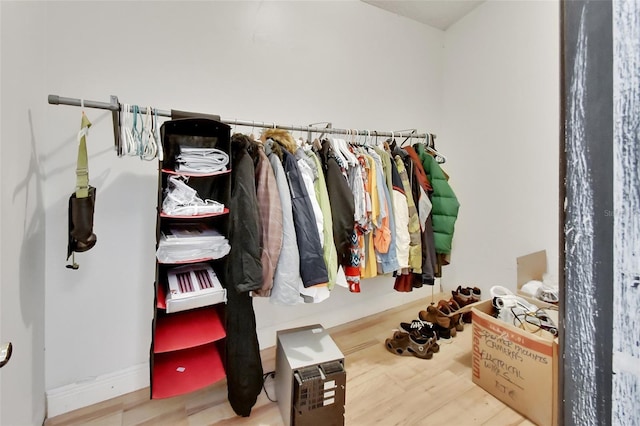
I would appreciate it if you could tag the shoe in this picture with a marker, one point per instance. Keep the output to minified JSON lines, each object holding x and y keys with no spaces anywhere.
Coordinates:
{"x":398,"y":344}
{"x":443,"y":305}
{"x":440,"y":319}
{"x":476,"y":294}
{"x":456,"y":318}
{"x":409,"y":344}
{"x":422,"y":328}
{"x":422,"y":347}
{"x":463,"y":296}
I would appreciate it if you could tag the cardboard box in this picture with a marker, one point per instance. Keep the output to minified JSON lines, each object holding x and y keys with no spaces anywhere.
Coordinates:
{"x":516,"y":366}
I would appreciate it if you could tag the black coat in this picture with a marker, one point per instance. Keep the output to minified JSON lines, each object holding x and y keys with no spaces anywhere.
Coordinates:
{"x":244,"y":273}
{"x":342,"y":204}
{"x":245,"y":266}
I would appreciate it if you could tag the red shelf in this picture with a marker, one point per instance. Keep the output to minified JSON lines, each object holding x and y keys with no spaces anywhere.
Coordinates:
{"x":162,"y":297}
{"x":201,"y":367}
{"x":187,"y":329}
{"x":173,"y":172}
{"x":199,"y":216}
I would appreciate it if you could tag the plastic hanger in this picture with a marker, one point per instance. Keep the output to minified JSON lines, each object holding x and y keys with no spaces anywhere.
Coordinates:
{"x":346,"y":153}
{"x":129,"y":144}
{"x":440,"y":159}
{"x":156,"y":134}
{"x":335,"y":144}
{"x":149,"y":142}
{"x":252,"y":135}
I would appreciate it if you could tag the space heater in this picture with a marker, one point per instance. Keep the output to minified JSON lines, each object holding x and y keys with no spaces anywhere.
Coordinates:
{"x":310,"y":377}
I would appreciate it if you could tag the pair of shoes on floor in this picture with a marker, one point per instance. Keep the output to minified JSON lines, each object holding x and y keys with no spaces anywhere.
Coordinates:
{"x":412,"y":344}
{"x":423,"y":328}
{"x":466,"y":296}
{"x":444,"y":317}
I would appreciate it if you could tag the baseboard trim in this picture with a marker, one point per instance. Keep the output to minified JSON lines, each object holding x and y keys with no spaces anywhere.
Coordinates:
{"x":78,"y":395}
{"x":82,"y":394}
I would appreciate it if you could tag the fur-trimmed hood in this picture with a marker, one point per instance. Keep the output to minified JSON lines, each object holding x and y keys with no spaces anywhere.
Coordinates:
{"x":283,"y":137}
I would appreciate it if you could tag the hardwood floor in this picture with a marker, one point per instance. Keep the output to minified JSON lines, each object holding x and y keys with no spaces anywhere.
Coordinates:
{"x":382,"y":388}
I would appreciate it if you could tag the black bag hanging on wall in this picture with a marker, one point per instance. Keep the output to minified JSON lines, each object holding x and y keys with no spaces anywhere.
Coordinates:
{"x":81,"y":202}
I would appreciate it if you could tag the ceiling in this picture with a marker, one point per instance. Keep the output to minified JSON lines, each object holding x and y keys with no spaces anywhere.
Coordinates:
{"x":436,"y":13}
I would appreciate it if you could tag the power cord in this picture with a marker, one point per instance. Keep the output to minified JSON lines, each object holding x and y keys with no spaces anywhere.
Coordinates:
{"x":271,"y":374}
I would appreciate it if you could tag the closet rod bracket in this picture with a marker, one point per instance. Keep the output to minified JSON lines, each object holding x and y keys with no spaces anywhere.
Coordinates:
{"x":115,"y":115}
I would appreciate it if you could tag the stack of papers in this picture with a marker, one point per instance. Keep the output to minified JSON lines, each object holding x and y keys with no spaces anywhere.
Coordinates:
{"x":201,"y":160}
{"x":187,"y":242}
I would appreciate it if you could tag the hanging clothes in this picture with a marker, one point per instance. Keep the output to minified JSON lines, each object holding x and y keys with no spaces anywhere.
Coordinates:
{"x":319,"y":292}
{"x":328,"y":247}
{"x":388,"y":261}
{"x":244,"y":274}
{"x":270,"y":213}
{"x":401,"y":216}
{"x":357,"y":179}
{"x":286,"y":281}
{"x":342,"y":204}
{"x":445,"y":202}
{"x":368,"y":261}
{"x":312,"y":268}
{"x":422,"y":188}
{"x":415,"y":246}
{"x":308,"y":177}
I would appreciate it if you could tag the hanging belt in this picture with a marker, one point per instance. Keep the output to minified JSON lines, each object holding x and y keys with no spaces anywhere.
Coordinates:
{"x":82,"y":167}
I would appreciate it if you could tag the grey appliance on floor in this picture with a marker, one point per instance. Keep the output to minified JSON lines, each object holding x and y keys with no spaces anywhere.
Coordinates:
{"x":310,"y":377}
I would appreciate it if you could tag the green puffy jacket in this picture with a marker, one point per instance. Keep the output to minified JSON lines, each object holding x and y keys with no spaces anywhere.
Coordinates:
{"x":445,"y":204}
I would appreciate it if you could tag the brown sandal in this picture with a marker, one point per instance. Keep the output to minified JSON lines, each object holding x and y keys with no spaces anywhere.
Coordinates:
{"x":398,"y":344}
{"x":421,"y":347}
{"x":412,"y":344}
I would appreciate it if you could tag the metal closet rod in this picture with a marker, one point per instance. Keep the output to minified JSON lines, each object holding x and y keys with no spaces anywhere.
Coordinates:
{"x":114,"y":106}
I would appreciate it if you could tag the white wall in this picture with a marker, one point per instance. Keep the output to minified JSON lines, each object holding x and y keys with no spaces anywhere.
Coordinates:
{"x":287,"y":62}
{"x":501,"y":130}
{"x":22,"y":214}
{"x":491,"y":96}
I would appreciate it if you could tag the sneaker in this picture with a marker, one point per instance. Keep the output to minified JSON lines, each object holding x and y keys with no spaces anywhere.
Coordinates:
{"x":420,"y":328}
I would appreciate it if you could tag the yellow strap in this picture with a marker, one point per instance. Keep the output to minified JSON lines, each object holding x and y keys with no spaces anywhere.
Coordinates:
{"x":82,"y":168}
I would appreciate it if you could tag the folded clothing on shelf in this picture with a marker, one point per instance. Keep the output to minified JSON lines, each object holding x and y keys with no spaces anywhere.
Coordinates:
{"x":201,"y":160}
{"x":186,"y":242}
